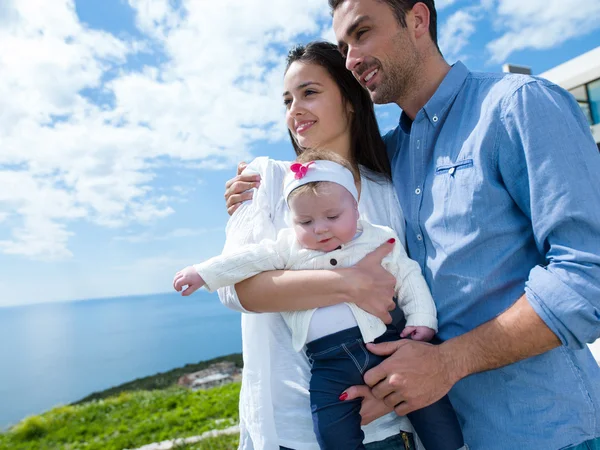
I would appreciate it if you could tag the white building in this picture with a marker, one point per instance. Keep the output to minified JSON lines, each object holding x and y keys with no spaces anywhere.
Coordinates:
{"x":581,"y":77}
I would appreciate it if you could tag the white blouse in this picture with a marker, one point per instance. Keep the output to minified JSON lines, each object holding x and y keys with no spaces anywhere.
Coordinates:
{"x":286,"y":253}
{"x":274,"y":399}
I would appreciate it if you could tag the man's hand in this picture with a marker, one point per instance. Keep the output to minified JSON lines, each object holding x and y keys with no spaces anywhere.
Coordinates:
{"x":238,"y":189}
{"x":188,"y":277}
{"x":424,"y":334}
{"x":371,"y":408}
{"x":418,"y":374}
{"x":372,"y":285}
{"x":414,"y":376}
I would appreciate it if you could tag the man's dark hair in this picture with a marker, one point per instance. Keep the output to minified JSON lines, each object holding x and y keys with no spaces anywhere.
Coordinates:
{"x":367,"y":146}
{"x":400,"y":7}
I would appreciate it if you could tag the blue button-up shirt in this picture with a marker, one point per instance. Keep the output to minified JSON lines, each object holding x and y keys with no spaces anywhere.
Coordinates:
{"x":498,"y":177}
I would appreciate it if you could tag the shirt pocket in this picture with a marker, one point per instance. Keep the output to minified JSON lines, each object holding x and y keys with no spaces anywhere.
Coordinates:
{"x":455,"y":184}
{"x":451,"y":169}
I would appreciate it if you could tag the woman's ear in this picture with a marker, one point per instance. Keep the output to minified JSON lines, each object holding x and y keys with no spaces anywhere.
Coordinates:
{"x":349,"y":108}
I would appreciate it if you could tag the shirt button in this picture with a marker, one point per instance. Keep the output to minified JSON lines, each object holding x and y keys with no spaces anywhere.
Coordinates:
{"x":419,"y":237}
{"x":435,"y":118}
{"x":417,"y":191}
{"x":333,"y":262}
{"x":418,"y":143}
{"x":452,"y":170}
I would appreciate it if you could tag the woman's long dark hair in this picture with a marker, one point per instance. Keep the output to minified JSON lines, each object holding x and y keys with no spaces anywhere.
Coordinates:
{"x":367,"y":147}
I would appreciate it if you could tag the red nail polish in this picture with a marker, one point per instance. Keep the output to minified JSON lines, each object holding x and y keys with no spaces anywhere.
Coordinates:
{"x":392,"y":240}
{"x":344,"y":396}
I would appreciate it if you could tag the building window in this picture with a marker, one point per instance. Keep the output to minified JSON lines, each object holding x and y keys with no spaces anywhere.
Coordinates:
{"x":581,"y":95}
{"x":593,"y":91}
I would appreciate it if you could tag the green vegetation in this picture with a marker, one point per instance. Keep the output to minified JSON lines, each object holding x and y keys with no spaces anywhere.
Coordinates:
{"x":227,"y":442}
{"x":151,"y":409}
{"x":160,"y":380}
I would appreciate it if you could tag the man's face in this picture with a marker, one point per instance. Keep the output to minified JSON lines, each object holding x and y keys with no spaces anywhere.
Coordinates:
{"x":380,"y":53}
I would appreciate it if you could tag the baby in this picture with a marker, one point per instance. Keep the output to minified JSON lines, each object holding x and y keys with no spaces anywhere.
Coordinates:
{"x":328,"y":233}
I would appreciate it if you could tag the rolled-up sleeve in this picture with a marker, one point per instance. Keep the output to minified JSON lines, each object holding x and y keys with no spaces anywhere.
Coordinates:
{"x":251,"y":222}
{"x":551,"y":167}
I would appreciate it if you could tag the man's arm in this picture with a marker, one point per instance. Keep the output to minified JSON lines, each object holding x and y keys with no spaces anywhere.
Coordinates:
{"x":239,"y":188}
{"x":549,"y":165}
{"x":514,"y":335}
{"x":418,"y":374}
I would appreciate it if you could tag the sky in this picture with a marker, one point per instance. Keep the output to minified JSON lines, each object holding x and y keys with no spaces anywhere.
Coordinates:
{"x":121,"y":120}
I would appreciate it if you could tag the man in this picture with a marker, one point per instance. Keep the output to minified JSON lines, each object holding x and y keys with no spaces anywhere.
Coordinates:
{"x":497,"y":177}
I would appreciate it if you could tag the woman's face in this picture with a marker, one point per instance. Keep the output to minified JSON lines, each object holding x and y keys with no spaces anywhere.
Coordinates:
{"x":316,"y":114}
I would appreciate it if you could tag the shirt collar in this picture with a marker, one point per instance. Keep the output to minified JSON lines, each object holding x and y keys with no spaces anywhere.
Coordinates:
{"x":439,"y":104}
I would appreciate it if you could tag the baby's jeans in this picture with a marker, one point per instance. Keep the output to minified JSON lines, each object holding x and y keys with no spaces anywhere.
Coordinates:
{"x":339,"y":361}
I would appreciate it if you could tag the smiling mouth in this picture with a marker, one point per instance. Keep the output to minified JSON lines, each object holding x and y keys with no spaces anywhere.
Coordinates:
{"x":369,"y":77}
{"x":304,"y":126}
{"x":324,"y":241}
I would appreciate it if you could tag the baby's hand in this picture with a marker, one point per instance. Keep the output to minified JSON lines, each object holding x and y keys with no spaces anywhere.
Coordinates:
{"x":188,"y":277}
{"x":418,"y":333}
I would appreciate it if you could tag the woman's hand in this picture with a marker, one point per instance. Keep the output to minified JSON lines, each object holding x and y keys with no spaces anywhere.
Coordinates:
{"x":372,"y":287}
{"x":371,"y":408}
{"x":188,"y":277}
{"x":238,"y":189}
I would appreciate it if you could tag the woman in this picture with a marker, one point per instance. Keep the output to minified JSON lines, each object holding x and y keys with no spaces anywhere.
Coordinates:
{"x":325,"y":107}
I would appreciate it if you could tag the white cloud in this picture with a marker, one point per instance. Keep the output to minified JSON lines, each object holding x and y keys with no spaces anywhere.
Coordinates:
{"x":175,"y":234}
{"x":39,"y":239}
{"x":165,"y":265}
{"x":79,"y":158}
{"x":40,"y":204}
{"x":327,"y":33}
{"x":82,"y":131}
{"x":541,"y":24}
{"x":455,"y":33}
{"x":441,"y":4}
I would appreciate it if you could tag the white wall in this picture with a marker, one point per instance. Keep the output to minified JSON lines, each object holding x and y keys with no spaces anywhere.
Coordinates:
{"x":596,"y":132}
{"x":595,"y":348}
{"x":580,"y":70}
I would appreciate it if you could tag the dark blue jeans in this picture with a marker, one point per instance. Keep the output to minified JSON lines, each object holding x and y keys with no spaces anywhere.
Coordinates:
{"x":339,"y":361}
{"x":401,"y":441}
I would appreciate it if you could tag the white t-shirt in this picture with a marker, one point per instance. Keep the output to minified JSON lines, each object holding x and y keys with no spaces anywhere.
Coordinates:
{"x":274,"y":399}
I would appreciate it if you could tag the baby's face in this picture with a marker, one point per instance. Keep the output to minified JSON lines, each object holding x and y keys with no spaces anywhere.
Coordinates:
{"x":324,"y":221}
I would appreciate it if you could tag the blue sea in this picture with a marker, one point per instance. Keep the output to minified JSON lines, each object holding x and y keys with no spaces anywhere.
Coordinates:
{"x":57,"y":353}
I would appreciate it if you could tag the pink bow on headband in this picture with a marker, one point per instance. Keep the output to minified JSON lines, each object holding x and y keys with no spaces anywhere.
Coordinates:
{"x":300,"y":169}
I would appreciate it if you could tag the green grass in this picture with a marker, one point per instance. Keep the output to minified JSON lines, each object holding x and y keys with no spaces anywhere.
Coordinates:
{"x":226,"y":442}
{"x":130,"y":420}
{"x":160,"y":380}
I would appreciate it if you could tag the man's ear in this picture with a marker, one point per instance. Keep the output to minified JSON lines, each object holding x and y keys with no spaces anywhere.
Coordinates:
{"x":420,"y":18}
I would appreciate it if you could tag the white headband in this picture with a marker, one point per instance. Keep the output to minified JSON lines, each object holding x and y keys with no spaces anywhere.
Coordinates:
{"x":321,"y":170}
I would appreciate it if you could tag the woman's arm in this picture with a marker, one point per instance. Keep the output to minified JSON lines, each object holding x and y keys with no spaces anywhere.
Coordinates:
{"x":367,"y":284}
{"x":293,"y":290}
